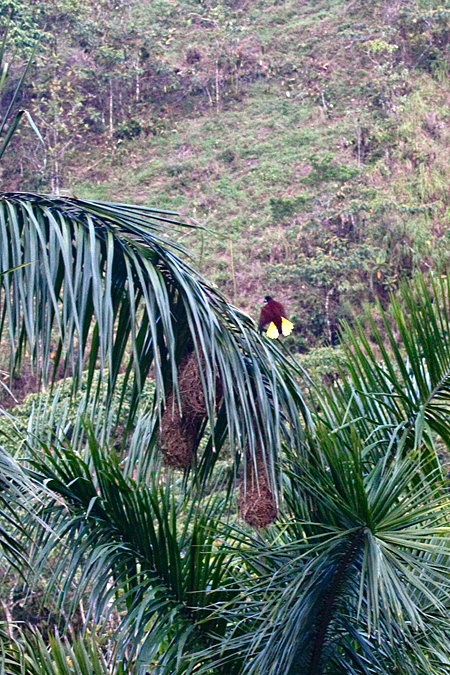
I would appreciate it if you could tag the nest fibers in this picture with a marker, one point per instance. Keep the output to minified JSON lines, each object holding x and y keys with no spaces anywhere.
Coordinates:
{"x":191,"y":388}
{"x":179,"y":431}
{"x":256,"y":500}
{"x":175,"y":437}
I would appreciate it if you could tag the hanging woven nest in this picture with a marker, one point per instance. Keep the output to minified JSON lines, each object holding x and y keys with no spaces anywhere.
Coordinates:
{"x":176,"y":437}
{"x":191,"y":388}
{"x":178,"y":433}
{"x":256,"y":501}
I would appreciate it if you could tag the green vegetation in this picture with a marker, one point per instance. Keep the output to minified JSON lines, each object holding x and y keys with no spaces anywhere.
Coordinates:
{"x":353,"y":576}
{"x":180,"y":495}
{"x":311,"y":140}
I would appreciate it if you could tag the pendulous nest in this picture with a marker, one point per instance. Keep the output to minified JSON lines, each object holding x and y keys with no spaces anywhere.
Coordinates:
{"x":191,"y":388}
{"x":178,"y":433}
{"x":256,"y":501}
{"x":177,"y":437}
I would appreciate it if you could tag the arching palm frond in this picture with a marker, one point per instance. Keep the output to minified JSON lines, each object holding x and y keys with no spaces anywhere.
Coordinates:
{"x":355,"y":580}
{"x":133,"y":544}
{"x":104,"y":287}
{"x":399,"y":379}
{"x":31,"y":655}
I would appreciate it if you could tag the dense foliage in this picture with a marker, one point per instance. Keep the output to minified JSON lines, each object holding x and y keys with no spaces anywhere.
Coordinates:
{"x":127,"y":547}
{"x":317,"y":131}
{"x":155,"y":565}
{"x":352,"y":577}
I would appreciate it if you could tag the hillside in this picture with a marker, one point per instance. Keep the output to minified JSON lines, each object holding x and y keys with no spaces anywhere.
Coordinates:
{"x":311,"y":137}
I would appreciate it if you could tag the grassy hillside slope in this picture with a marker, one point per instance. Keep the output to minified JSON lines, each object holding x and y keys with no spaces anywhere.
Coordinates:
{"x":310,"y":136}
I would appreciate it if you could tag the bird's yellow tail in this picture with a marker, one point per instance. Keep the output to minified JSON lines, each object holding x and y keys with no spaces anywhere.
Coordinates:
{"x":286,"y":326}
{"x":272,"y":331}
{"x":286,"y":329}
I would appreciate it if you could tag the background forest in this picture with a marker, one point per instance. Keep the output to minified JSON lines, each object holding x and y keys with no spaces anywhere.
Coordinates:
{"x":311,"y":137}
{"x":179,"y":495}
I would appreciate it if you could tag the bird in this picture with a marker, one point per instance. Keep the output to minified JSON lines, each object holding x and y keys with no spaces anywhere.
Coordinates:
{"x":273,"y":313}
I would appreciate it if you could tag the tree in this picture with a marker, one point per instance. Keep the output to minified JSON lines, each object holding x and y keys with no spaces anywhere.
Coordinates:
{"x":352,"y":578}
{"x":81,"y":282}
{"x":97,"y":287}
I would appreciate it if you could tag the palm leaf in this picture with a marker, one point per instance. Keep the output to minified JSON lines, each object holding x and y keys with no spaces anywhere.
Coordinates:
{"x":160,"y":549}
{"x":103,"y":280}
{"x":399,"y":379}
{"x":20,"y":498}
{"x":359,"y":569}
{"x":31,"y":655}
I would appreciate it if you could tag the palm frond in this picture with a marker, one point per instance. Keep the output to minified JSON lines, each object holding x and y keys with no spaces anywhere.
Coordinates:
{"x":104,"y":287}
{"x":396,"y":384}
{"x":361,"y":560}
{"x":160,"y":550}
{"x":20,"y":498}
{"x":29,"y":654}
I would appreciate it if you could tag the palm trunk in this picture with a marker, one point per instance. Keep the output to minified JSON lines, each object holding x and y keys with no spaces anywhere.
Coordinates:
{"x":326,"y":613}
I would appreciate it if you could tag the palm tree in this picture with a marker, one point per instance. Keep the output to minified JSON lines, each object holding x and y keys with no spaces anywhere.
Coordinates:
{"x":357,"y":581}
{"x":352,"y":577}
{"x":59,"y":657}
{"x":99,"y":287}
{"x":89,"y":289}
{"x":92,"y":289}
{"x":399,"y":371}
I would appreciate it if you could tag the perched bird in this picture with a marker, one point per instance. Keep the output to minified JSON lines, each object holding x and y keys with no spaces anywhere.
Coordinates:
{"x":273,"y":313}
